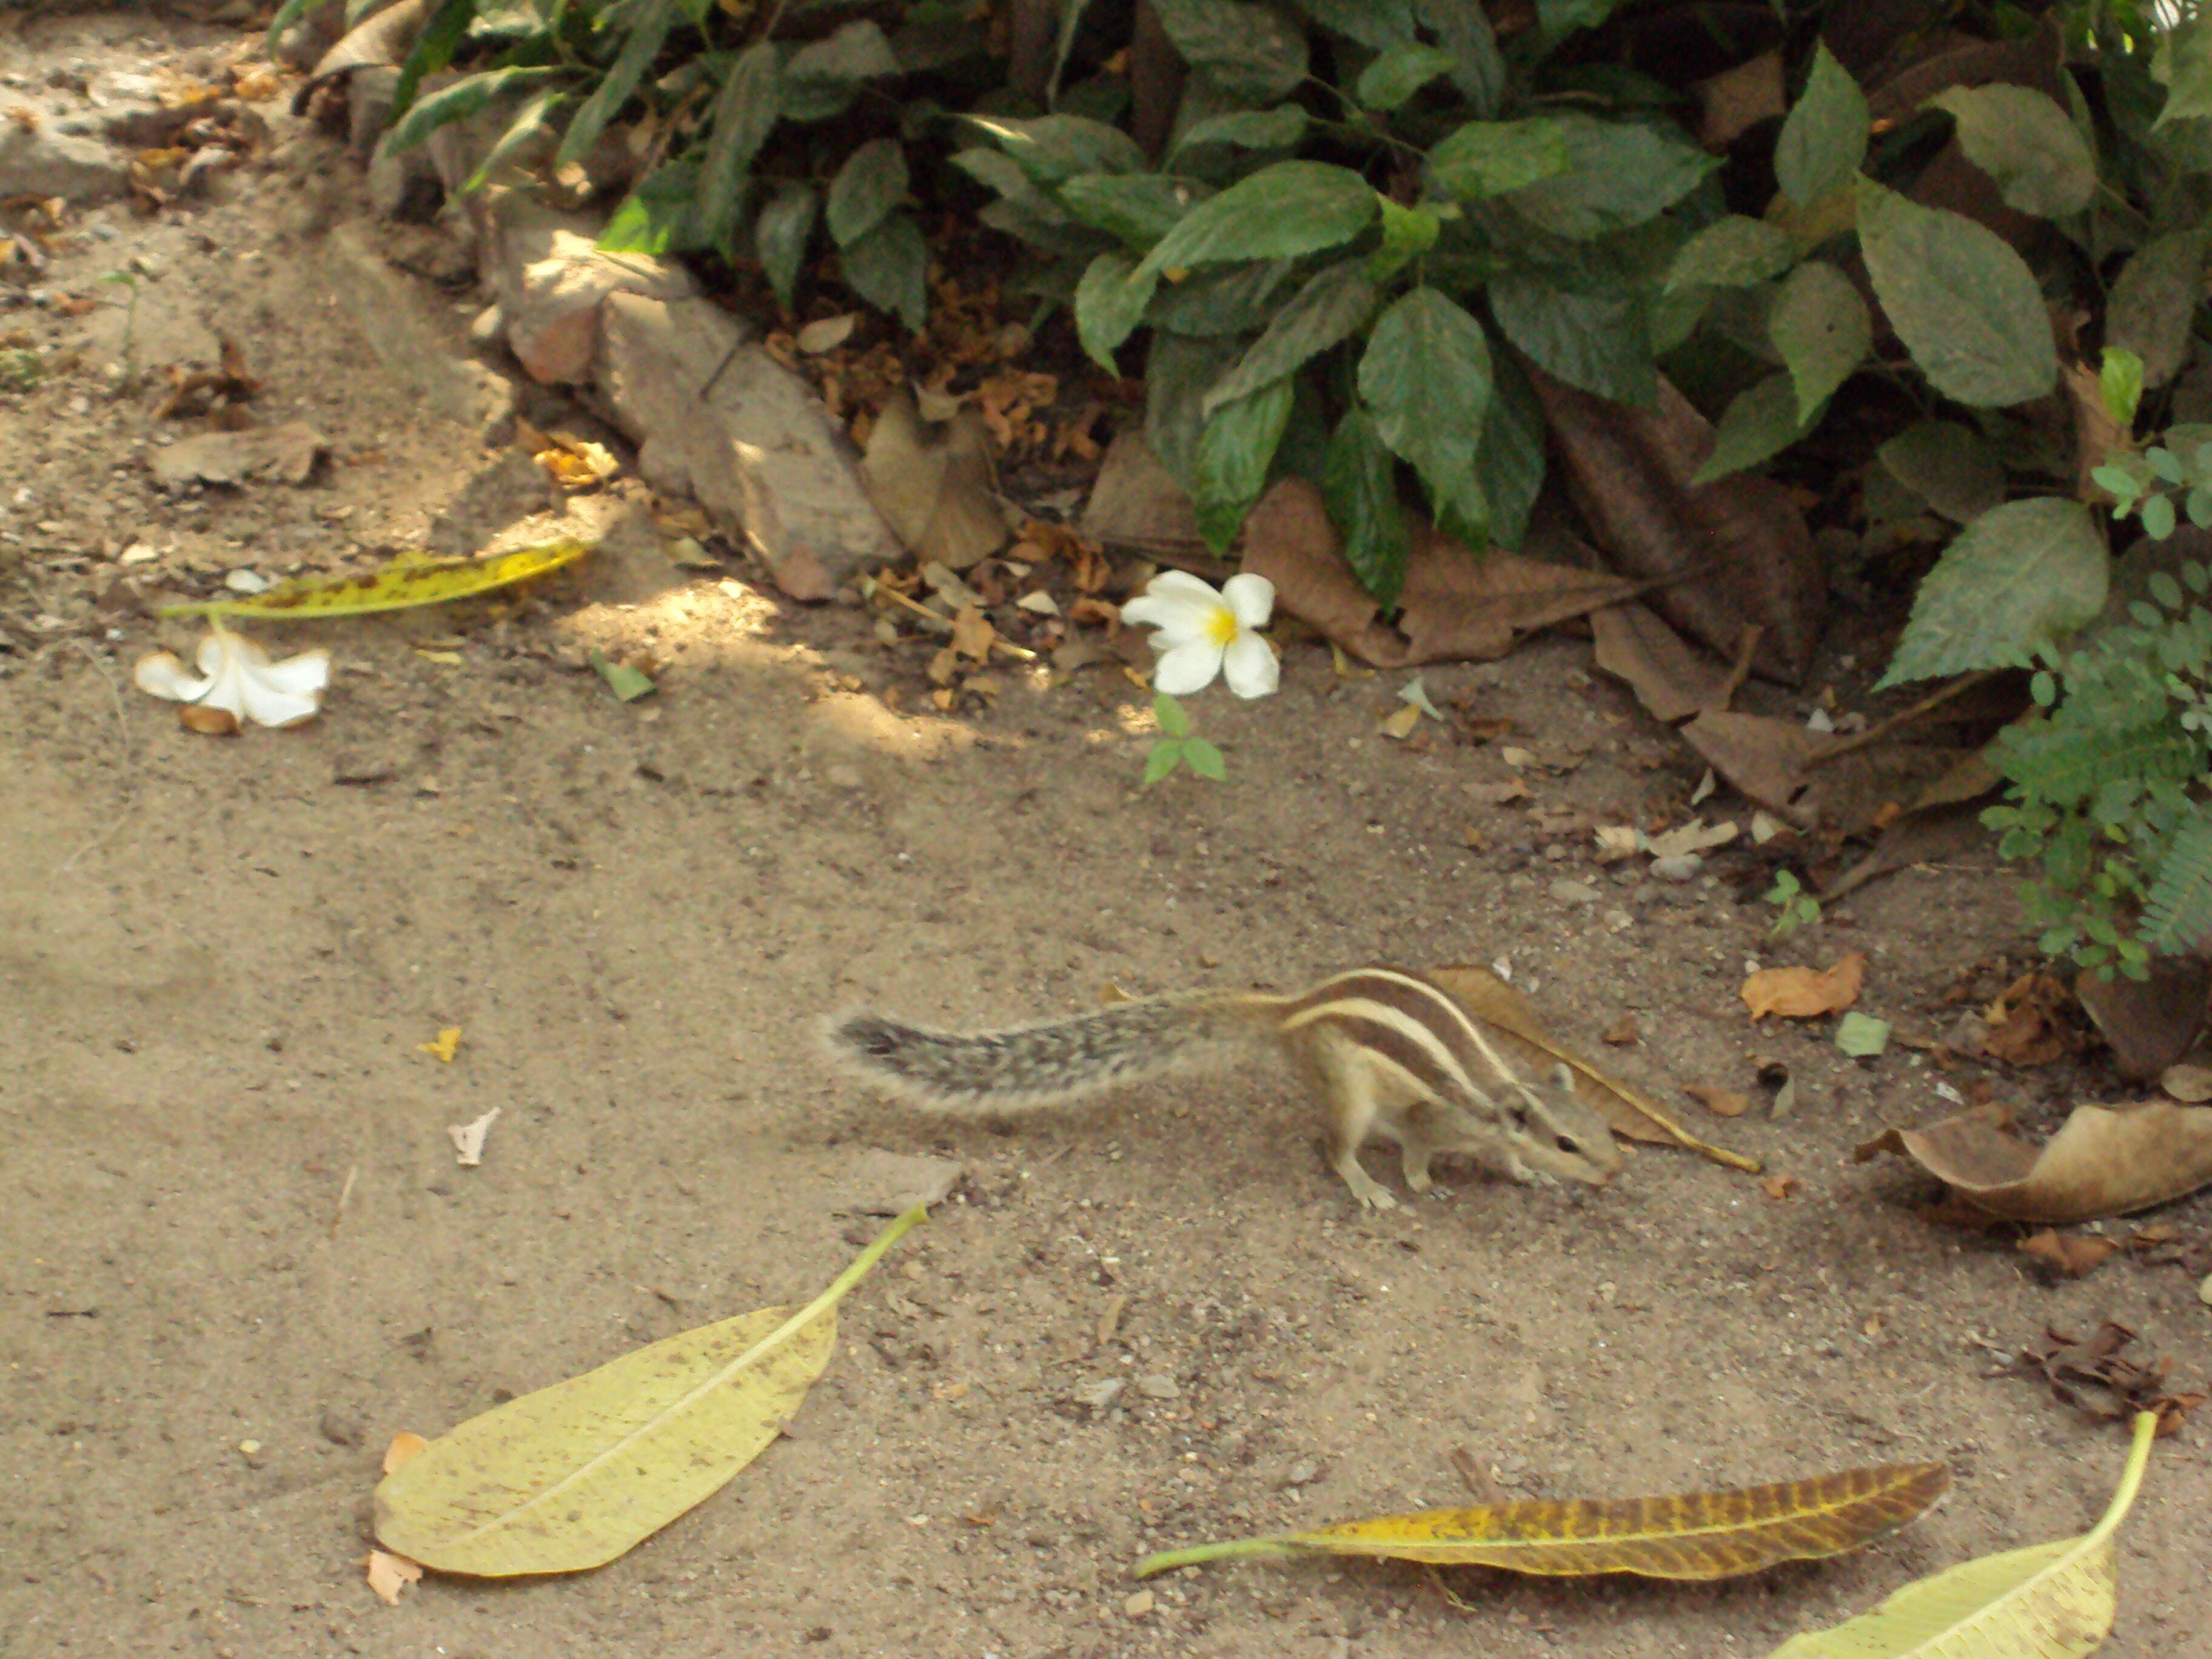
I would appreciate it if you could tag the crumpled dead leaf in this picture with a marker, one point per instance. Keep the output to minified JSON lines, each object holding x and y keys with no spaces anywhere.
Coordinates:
{"x":1672,"y":681}
{"x":1944,"y":820}
{"x":1454,"y":604}
{"x":2070,"y":1255}
{"x":1764,"y":757}
{"x":1736,"y":552}
{"x":2150,"y":1023}
{"x":1805,"y":993}
{"x":286,"y":452}
{"x":389,"y":1574}
{"x":2092,"y":1373}
{"x":1721,"y":1102}
{"x":1631,"y":1113}
{"x":2027,"y":1025}
{"x":2104,"y":1161}
{"x":936,"y":488}
{"x":2190,"y":1083}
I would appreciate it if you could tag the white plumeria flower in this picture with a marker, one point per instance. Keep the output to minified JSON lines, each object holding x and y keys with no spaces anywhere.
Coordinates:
{"x":238,"y":681}
{"x":1201,"y":633}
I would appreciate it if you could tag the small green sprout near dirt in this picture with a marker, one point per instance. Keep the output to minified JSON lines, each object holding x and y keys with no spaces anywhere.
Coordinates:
{"x":1795,"y":907}
{"x":1176,"y":747}
{"x":21,"y":371}
{"x":128,"y":280}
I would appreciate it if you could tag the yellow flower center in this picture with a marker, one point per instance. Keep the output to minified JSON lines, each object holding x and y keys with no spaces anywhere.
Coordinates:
{"x":1221,"y":627}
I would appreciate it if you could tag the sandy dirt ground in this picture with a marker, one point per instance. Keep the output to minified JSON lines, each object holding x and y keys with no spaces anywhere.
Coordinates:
{"x":231,"y":1214}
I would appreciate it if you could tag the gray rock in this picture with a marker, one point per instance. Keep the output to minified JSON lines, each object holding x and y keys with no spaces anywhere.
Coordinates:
{"x":415,"y":337}
{"x":370,"y":93}
{"x":1573,"y":893}
{"x":1680,"y":868}
{"x":51,"y":162}
{"x":758,"y":452}
{"x":1157,"y":1385}
{"x":550,"y":280}
{"x":1100,"y":1393}
{"x":880,"y":1183}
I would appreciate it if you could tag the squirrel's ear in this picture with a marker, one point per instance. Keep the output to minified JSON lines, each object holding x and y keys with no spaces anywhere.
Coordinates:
{"x":1566,"y":1077}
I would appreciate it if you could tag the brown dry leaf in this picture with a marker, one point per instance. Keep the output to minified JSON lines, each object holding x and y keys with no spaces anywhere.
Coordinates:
{"x":1805,"y":993}
{"x":286,"y":451}
{"x":389,"y":1574}
{"x":2096,"y":433}
{"x":1497,"y":794}
{"x":1735,"y":100}
{"x":972,"y":633}
{"x":936,"y":488}
{"x":2190,"y":1083}
{"x":801,"y":575}
{"x":1736,"y":552}
{"x":1765,"y":758}
{"x":1453,"y":605}
{"x":405,"y":1445}
{"x":2151,"y":1023}
{"x":2105,"y":1161}
{"x":1778,"y":1186}
{"x":1622,"y":1032}
{"x":1721,"y":1102}
{"x":2069,"y":1253}
{"x":2026,"y":1024}
{"x":1943,"y":821}
{"x":2092,"y":1373}
{"x":1628,"y":1111}
{"x":1670,"y":680}
{"x":1137,"y":499}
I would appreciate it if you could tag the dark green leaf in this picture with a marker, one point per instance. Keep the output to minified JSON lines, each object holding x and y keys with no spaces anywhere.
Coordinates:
{"x":2157,"y":519}
{"x":1253,"y":53}
{"x":744,"y":114}
{"x":1824,"y":138}
{"x":1137,"y":208}
{"x":432,"y":48}
{"x":889,"y":268}
{"x":1390,"y":82}
{"x":1331,"y":307}
{"x":1053,"y":149}
{"x":1110,"y":303}
{"x":1490,"y":158}
{"x":1821,"y":327}
{"x":1378,"y":25}
{"x":1509,"y":462}
{"x":1360,"y":480}
{"x":1965,"y":304}
{"x":2177,"y":910}
{"x":1178,"y":368}
{"x":457,"y":101}
{"x":870,"y":183}
{"x":2010,"y":585}
{"x":1618,"y":175}
{"x":782,"y":234}
{"x":649,"y":27}
{"x":1947,"y":465}
{"x":1232,"y":300}
{"x":1203,"y":758}
{"x":2027,"y":144}
{"x":2154,"y":299}
{"x":2183,"y":66}
{"x":1595,"y":335}
{"x":1463,"y":28}
{"x":821,"y":78}
{"x":1230,"y":468}
{"x":1560,"y":18}
{"x":1245,"y":128}
{"x":1733,"y":253}
{"x":1291,"y":208}
{"x":1426,"y":376}
{"x":1759,"y":423}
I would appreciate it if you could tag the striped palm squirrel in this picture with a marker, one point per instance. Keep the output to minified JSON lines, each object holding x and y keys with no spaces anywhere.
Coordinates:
{"x":1382,"y":1050}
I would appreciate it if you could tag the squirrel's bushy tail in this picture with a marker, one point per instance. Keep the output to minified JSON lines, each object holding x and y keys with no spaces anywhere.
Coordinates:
{"x":1050,"y":1061}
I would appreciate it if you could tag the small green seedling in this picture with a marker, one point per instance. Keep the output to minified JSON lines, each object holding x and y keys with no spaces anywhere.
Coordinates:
{"x":1795,"y":907}
{"x":1176,"y":747}
{"x":128,"y":280}
{"x":22,"y":371}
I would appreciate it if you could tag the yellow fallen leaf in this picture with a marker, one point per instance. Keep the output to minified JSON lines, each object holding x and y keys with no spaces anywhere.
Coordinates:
{"x":1687,"y":1535}
{"x":408,"y":579}
{"x":2048,"y":1602}
{"x":1804,"y":993}
{"x":1401,"y":721}
{"x":405,"y":1445}
{"x":571,"y":1476}
{"x":443,"y":1046}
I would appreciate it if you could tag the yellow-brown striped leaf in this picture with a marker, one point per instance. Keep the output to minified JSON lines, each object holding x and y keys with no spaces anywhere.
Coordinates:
{"x":409,"y":579}
{"x":1688,"y":1535}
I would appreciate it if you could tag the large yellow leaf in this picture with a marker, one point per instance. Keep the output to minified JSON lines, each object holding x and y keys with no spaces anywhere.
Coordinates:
{"x":408,"y":579}
{"x":2047,"y":1602}
{"x":571,"y":1476}
{"x":1706,"y":1534}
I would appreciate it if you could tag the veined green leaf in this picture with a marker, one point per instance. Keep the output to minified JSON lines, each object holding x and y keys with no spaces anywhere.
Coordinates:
{"x":1733,"y":253}
{"x":1254,"y":53}
{"x":1235,"y":450}
{"x":889,"y":268}
{"x":1493,"y":158}
{"x":2027,"y":144}
{"x":1288,"y":209}
{"x":1137,"y":208}
{"x":1281,"y":128}
{"x":821,"y":78}
{"x":2008,"y":588}
{"x":1594,"y":334}
{"x":1328,"y":309}
{"x":1759,"y":422}
{"x":1426,"y":376}
{"x":1360,"y":481}
{"x":459,"y":100}
{"x":744,"y":114}
{"x":1824,"y":138}
{"x":781,"y":235}
{"x":1390,"y":82}
{"x":1110,"y":303}
{"x":648,"y":28}
{"x":1821,"y":327}
{"x":867,"y":188}
{"x":1618,"y":174}
{"x":1508,"y":462}
{"x":1053,"y":149}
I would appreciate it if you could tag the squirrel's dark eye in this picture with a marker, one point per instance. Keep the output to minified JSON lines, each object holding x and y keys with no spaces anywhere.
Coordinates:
{"x":1521,"y":1117}
{"x":1567,"y":1146}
